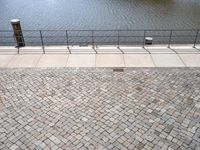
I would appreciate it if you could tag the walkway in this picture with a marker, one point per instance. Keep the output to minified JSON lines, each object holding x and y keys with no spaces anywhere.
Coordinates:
{"x":106,"y":57}
{"x":99,"y":109}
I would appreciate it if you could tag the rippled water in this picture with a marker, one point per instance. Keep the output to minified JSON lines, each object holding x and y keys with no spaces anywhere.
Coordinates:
{"x":101,"y":14}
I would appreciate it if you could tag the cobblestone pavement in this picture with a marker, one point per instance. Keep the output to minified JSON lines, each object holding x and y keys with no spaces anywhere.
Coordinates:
{"x":100,"y":109}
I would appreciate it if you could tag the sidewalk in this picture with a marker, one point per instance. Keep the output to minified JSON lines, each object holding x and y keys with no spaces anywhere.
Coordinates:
{"x":138,"y":57}
{"x":86,"y":108}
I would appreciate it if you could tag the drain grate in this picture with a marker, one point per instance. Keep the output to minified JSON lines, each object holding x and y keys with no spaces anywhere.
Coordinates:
{"x":118,"y":70}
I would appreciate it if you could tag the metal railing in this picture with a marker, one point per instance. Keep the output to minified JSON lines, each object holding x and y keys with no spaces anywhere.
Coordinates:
{"x":96,"y":38}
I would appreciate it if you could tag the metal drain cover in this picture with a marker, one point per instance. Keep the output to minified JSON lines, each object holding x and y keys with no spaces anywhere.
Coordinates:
{"x":118,"y":70}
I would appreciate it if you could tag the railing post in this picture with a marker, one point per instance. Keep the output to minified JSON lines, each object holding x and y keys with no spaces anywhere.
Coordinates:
{"x":144,"y":38}
{"x":67,"y":37}
{"x":170,"y":37}
{"x":42,"y":41}
{"x":196,"y":37}
{"x":117,"y":38}
{"x":93,"y":39}
{"x":17,"y":49}
{"x":93,"y":42}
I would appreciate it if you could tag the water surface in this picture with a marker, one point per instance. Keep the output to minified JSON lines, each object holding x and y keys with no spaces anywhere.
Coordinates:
{"x":101,"y":14}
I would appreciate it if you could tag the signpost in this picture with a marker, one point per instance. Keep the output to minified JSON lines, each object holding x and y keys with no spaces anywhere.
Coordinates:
{"x":17,"y":32}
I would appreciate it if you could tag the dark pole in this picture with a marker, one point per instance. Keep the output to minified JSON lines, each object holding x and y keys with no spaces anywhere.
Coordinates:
{"x":117,"y":38}
{"x":195,"y":40}
{"x":17,"y":32}
{"x":42,"y":42}
{"x":144,"y":38}
{"x":170,"y":38}
{"x":67,"y":37}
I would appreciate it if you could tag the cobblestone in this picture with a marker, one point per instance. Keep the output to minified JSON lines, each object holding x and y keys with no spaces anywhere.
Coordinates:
{"x":61,"y":108}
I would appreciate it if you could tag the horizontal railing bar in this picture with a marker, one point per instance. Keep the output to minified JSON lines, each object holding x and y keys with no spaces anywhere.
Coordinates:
{"x":7,"y":42}
{"x":32,"y":42}
{"x":6,"y":37}
{"x":97,"y":36}
{"x":99,"y":42}
{"x":110,"y":30}
{"x":94,"y":42}
{"x":6,"y":31}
